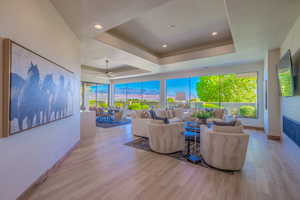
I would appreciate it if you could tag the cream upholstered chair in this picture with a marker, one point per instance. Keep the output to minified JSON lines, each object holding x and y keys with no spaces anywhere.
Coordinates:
{"x":166,"y":138}
{"x":224,"y":147}
{"x":139,"y":124}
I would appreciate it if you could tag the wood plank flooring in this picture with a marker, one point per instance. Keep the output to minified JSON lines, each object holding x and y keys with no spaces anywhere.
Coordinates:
{"x":106,"y":169}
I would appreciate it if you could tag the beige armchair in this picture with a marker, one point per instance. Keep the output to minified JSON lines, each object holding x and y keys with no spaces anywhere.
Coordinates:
{"x":224,"y":147}
{"x":166,"y":138}
{"x":139,"y":124}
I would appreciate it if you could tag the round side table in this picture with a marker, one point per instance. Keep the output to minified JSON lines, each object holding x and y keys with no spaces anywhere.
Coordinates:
{"x":191,"y":157}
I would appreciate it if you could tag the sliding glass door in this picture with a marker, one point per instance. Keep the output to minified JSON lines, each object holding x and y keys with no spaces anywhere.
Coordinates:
{"x":137,"y":95}
{"x":94,"y":95}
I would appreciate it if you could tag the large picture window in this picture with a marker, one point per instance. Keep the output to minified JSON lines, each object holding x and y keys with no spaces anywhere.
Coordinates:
{"x":236,"y":93}
{"x":178,"y":92}
{"x":137,"y":95}
{"x":94,"y":95}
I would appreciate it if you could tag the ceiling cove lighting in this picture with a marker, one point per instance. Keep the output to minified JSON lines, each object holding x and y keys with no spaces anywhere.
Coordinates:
{"x":165,"y":46}
{"x":214,"y":33}
{"x":98,"y":26}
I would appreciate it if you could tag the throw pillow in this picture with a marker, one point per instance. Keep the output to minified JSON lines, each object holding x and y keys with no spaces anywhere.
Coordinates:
{"x":153,"y":114}
{"x":145,"y":115}
{"x":218,"y":113}
{"x":170,"y":114}
{"x":178,"y":113}
{"x":166,"y":121}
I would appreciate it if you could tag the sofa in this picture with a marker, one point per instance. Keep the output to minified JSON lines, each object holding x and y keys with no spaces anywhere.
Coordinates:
{"x":140,"y":118}
{"x":224,"y":147}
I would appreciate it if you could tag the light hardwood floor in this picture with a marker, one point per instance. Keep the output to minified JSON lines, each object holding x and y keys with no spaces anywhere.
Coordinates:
{"x":107,"y":169}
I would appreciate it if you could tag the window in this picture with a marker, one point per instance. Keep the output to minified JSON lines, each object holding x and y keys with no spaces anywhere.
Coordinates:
{"x":120,"y":95}
{"x":236,"y":93}
{"x":94,"y":95}
{"x":102,"y":95}
{"x":239,"y":94}
{"x":137,"y":95}
{"x":90,"y":94}
{"x":178,"y":92}
{"x":81,"y":95}
{"x":151,"y":93}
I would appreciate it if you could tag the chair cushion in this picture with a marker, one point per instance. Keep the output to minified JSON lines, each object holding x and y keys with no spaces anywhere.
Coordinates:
{"x":228,"y":129}
{"x":225,"y":123}
{"x":157,"y":121}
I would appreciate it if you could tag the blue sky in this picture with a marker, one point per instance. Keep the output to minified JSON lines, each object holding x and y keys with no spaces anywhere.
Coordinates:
{"x":182,"y":85}
{"x":153,"y":87}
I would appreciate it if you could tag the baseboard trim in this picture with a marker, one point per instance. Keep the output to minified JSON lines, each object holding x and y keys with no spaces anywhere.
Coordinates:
{"x":274,"y":137}
{"x":254,"y":128}
{"x":28,"y":192}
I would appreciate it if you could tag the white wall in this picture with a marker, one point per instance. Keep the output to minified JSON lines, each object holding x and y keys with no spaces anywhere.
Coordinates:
{"x":252,"y":67}
{"x":291,"y":105}
{"x":272,"y":114}
{"x":24,"y":157}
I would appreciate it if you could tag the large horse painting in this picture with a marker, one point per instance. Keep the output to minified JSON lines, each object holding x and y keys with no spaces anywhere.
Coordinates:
{"x":40,"y":90}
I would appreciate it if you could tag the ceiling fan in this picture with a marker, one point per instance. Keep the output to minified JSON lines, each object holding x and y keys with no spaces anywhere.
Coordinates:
{"x":108,"y":73}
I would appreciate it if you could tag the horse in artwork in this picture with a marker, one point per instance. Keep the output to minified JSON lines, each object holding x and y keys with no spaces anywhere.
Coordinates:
{"x":35,"y":101}
{"x":18,"y":83}
{"x":69,"y":90}
{"x":48,"y":90}
{"x":60,"y":101}
{"x":29,"y":101}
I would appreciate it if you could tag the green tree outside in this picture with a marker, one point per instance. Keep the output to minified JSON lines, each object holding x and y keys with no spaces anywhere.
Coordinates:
{"x":227,"y":88}
{"x":170,"y":100}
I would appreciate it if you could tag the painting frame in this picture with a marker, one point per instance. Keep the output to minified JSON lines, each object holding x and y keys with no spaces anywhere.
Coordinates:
{"x":7,"y":87}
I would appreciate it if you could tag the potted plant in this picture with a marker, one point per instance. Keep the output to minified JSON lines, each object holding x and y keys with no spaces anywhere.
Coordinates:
{"x":202,"y":116}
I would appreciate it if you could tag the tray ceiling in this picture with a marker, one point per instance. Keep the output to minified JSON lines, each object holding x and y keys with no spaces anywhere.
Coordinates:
{"x":180,"y":24}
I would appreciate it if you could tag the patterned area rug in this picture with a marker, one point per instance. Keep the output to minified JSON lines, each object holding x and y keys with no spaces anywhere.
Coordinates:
{"x":109,"y":124}
{"x":143,"y":144}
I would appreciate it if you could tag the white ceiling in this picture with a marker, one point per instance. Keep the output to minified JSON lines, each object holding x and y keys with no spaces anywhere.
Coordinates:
{"x":82,"y":15}
{"x":193,"y":22}
{"x":255,"y":25}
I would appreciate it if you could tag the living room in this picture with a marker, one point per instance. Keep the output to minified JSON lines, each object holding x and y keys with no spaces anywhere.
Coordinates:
{"x":140,"y":99}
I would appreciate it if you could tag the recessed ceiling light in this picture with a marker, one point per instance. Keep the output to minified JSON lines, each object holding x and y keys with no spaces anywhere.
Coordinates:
{"x":98,"y":26}
{"x":214,"y":33}
{"x":172,"y":26}
{"x":165,"y":46}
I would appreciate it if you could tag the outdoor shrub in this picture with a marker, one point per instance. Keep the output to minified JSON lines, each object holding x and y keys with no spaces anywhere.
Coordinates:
{"x":119,"y":104}
{"x":144,"y":107}
{"x":138,"y":106}
{"x":210,"y":105}
{"x":102,"y":105}
{"x":248,"y":111}
{"x":202,"y":114}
